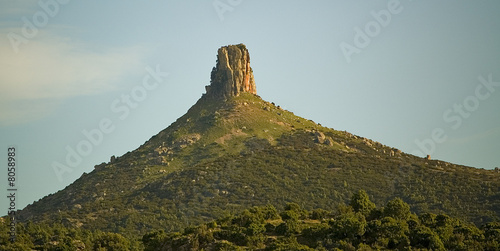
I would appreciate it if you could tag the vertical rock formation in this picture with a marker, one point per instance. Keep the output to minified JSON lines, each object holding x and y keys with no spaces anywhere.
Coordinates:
{"x":232,"y":74}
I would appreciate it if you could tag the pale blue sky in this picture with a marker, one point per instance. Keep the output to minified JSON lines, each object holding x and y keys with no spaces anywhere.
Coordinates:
{"x":401,"y":87}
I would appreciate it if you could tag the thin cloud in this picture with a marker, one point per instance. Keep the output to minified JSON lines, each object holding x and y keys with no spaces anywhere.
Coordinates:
{"x":50,"y":69}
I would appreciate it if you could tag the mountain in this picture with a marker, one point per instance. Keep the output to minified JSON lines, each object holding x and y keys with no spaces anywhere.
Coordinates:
{"x":233,"y":150}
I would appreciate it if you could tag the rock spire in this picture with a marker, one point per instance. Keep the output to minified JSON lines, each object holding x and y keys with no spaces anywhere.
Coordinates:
{"x":232,"y":74}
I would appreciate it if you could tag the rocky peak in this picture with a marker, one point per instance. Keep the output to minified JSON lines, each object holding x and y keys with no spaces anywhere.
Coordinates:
{"x":232,"y":74}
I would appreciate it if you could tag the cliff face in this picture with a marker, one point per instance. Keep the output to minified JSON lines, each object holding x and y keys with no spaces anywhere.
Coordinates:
{"x":232,"y":74}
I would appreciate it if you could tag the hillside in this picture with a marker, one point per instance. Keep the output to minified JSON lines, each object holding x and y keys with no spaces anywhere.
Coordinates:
{"x":232,"y":150}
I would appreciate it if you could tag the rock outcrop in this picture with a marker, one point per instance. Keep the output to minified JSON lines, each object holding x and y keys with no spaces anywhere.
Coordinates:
{"x":232,"y":74}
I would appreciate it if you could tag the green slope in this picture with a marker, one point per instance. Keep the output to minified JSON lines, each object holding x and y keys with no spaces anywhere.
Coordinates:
{"x":224,"y":156}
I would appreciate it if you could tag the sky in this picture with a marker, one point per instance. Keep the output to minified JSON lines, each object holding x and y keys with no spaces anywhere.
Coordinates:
{"x":81,"y":81}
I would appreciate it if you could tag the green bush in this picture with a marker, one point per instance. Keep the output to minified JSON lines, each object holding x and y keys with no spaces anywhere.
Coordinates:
{"x":111,"y":242}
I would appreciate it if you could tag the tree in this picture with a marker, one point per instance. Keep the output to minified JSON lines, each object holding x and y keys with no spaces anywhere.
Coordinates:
{"x":492,"y":230}
{"x":397,"y":209}
{"x":319,"y":214}
{"x":289,"y":244}
{"x":111,"y":242}
{"x":395,"y":232}
{"x":492,"y":236}
{"x":424,"y":237}
{"x":428,"y":219}
{"x":360,"y":202}
{"x":349,"y":226}
{"x":226,"y":245}
{"x":269,"y":212}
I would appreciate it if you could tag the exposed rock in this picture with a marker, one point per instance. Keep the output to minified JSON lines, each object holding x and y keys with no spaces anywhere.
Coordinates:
{"x":328,"y":142}
{"x":367,"y":142}
{"x":100,"y":166}
{"x":319,"y":137}
{"x":180,"y":143}
{"x":232,"y":74}
{"x":395,"y":152}
{"x":160,"y":160}
{"x":186,"y":140}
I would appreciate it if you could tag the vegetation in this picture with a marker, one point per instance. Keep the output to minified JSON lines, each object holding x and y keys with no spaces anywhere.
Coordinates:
{"x":360,"y":226}
{"x":357,"y":226}
{"x":224,"y":157}
{"x":38,"y":236}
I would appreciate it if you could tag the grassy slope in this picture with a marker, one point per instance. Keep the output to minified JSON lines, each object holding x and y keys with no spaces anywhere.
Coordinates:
{"x":250,"y":152}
